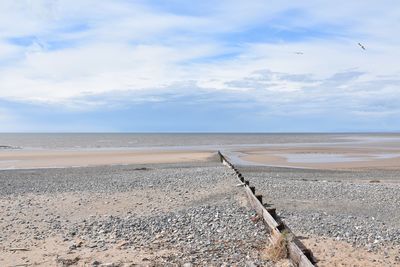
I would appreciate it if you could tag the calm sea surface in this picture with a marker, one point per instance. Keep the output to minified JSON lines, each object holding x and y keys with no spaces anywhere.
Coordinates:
{"x":136,"y":140}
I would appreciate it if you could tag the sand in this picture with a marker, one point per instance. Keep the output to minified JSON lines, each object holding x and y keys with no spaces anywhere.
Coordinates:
{"x":331,"y":252}
{"x":25,"y":159}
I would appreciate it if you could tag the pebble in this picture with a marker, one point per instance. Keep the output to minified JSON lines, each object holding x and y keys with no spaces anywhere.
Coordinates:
{"x":214,"y":230}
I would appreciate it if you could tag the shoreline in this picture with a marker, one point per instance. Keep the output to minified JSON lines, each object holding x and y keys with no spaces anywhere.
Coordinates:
{"x":329,"y":158}
{"x":334,"y":152}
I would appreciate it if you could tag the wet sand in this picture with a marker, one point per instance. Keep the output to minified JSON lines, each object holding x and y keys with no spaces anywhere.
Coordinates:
{"x":326,"y":157}
{"x":347,"y":152}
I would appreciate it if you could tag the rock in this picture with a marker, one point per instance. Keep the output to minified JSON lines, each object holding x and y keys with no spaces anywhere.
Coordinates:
{"x":110,"y":265}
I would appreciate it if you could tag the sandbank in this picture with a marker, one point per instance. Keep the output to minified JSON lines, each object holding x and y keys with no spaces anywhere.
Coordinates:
{"x":325,"y":157}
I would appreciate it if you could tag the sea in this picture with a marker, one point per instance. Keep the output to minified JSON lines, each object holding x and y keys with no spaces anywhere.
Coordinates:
{"x":149,"y":140}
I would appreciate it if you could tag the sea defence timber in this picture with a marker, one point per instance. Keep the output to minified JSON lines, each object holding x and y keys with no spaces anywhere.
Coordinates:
{"x":297,"y":252}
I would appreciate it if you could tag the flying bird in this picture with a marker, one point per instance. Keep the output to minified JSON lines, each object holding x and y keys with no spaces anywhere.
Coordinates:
{"x":299,"y":53}
{"x":362,"y":46}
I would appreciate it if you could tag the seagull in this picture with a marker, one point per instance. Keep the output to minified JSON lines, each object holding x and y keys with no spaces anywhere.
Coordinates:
{"x":362,"y":46}
{"x":299,"y":53}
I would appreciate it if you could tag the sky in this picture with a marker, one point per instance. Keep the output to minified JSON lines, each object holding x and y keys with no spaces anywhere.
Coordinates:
{"x":199,"y":66}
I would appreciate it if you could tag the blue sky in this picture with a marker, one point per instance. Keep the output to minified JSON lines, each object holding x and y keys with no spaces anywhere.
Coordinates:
{"x":199,"y":66}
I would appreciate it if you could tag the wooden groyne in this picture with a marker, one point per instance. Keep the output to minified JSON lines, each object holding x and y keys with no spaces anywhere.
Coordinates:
{"x":297,"y":252}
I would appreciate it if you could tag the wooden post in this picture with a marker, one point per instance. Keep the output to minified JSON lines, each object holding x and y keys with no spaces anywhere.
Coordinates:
{"x":253,"y":189}
{"x":272,"y":211}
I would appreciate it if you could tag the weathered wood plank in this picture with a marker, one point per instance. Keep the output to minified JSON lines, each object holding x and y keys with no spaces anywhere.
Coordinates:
{"x":296,"y":254}
{"x":259,"y":208}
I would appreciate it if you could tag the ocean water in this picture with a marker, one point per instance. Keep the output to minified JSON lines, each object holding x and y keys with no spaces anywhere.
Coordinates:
{"x":140,"y":140}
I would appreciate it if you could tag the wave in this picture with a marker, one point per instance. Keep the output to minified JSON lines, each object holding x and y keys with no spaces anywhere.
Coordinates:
{"x":9,"y":147}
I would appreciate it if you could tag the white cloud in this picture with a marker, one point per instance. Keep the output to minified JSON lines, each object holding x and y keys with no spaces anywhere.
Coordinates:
{"x":95,"y":47}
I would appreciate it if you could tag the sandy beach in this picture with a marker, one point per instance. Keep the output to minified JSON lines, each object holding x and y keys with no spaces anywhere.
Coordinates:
{"x":26,"y":159}
{"x":146,"y":215}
